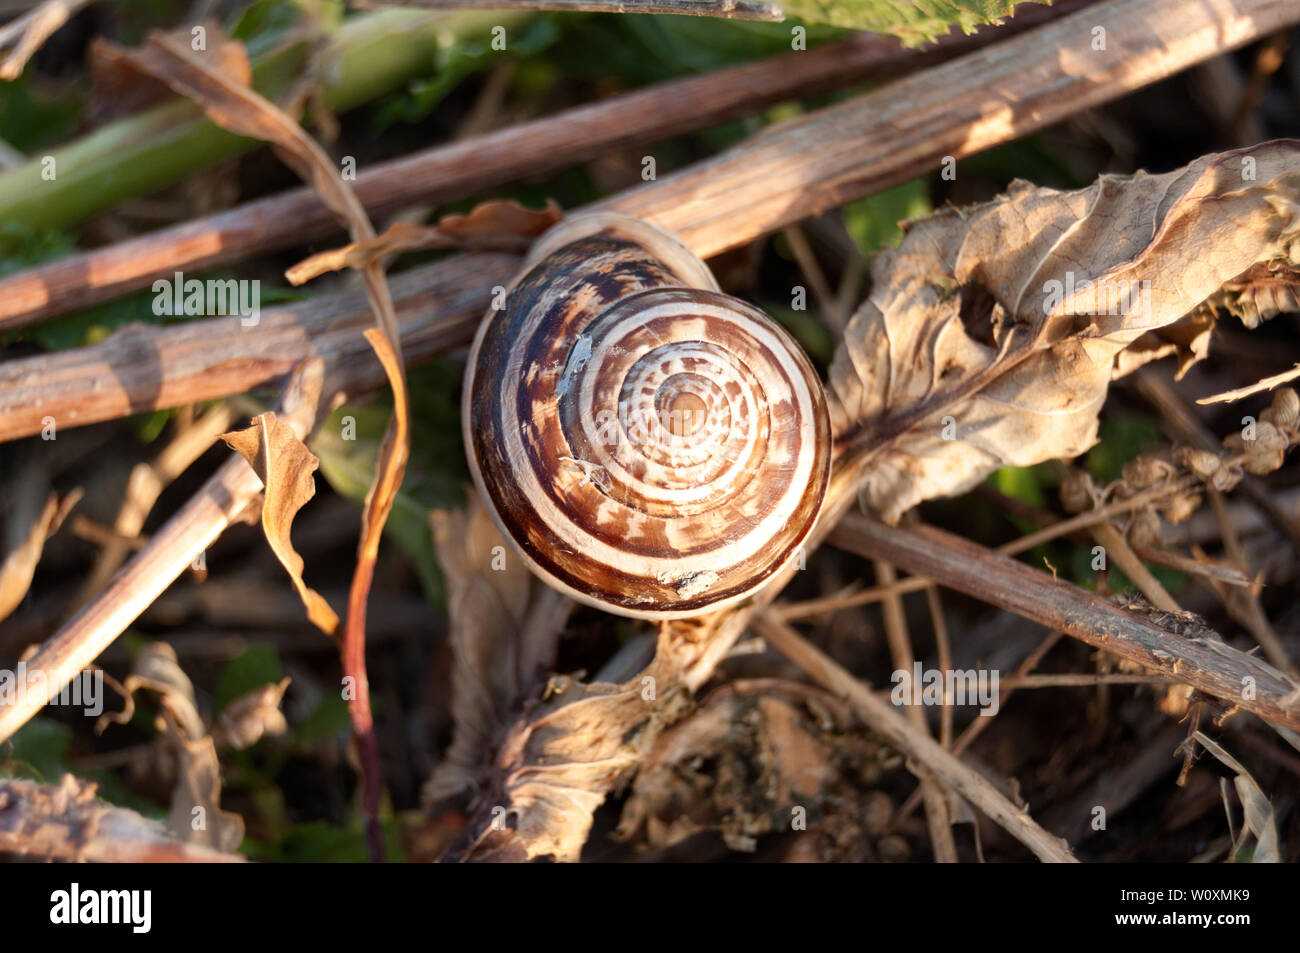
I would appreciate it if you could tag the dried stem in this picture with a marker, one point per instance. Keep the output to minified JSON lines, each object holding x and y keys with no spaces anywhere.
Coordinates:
{"x":22,"y":37}
{"x":900,"y":651}
{"x":171,"y":550}
{"x":977,"y":726}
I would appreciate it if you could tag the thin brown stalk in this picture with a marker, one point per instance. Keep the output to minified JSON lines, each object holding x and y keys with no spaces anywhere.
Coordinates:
{"x":976,"y":728}
{"x":902,"y":655}
{"x":1267,"y":383}
{"x":22,"y":37}
{"x":145,"y":485}
{"x":1206,"y":568}
{"x":1120,"y":553}
{"x":943,"y":649}
{"x":1243,"y":604}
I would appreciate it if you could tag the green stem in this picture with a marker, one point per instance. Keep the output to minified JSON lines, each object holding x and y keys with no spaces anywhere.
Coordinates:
{"x":370,"y":56}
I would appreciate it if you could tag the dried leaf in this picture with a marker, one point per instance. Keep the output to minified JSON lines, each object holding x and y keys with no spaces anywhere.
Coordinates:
{"x":285,"y":466}
{"x":985,"y":341}
{"x":252,"y":716}
{"x":504,"y":629}
{"x":196,"y":815}
{"x":20,"y":565}
{"x":119,"y":87}
{"x":1260,"y":818}
{"x":496,"y":224}
{"x":559,"y":759}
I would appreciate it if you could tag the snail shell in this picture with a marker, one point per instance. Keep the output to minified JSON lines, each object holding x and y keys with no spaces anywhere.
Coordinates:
{"x":651,"y":446}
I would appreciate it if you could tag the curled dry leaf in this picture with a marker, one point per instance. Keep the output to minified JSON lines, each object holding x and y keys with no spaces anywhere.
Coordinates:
{"x":196,"y":815}
{"x":759,"y":756}
{"x":504,"y":629}
{"x":1259,"y":816}
{"x":119,"y":86}
{"x":252,"y":716}
{"x":501,"y":224}
{"x":992,"y":332}
{"x":19,"y":567}
{"x":285,"y":466}
{"x":565,"y":750}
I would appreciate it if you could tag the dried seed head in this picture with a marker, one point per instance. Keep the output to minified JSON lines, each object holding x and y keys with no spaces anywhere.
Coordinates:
{"x":1264,"y":454}
{"x":1181,"y":507}
{"x":1227,"y":477}
{"x":1144,"y":529}
{"x":1201,"y":462}
{"x":1286,"y":408}
{"x":1078,"y":492}
{"x":1143,"y":472}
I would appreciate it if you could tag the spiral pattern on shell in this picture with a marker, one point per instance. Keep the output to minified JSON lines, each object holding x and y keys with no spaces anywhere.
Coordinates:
{"x":651,"y":446}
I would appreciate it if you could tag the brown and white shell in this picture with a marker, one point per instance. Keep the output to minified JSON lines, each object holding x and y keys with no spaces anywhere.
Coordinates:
{"x":651,"y":446}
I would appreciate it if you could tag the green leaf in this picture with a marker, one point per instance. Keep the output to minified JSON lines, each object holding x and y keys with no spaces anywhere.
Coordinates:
{"x":1122,"y":437}
{"x":256,"y":666}
{"x":914,"y":23}
{"x":39,"y":750}
{"x":329,"y":719}
{"x":873,"y":221}
{"x":463,"y":57}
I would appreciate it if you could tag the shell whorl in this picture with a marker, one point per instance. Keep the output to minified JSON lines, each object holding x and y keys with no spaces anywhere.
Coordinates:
{"x":651,"y":446}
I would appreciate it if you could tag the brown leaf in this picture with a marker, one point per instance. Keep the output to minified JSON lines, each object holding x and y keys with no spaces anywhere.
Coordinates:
{"x":285,"y":466}
{"x":496,"y":224}
{"x":118,"y":85}
{"x":560,"y":757}
{"x":504,"y":629}
{"x":981,"y":346}
{"x":252,"y":716}
{"x":19,"y":567}
{"x":196,"y":815}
